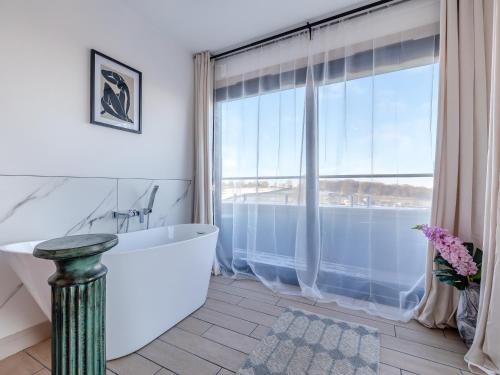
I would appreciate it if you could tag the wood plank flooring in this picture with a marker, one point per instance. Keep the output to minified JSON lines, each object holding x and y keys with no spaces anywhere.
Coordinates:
{"x":216,"y":339}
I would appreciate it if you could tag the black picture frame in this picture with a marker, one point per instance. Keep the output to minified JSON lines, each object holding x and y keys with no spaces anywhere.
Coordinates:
{"x":112,"y":123}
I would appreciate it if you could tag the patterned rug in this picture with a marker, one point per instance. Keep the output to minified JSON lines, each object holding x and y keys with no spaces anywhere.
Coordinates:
{"x":301,"y":342}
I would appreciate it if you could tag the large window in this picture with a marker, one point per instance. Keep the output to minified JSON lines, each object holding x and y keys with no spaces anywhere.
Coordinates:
{"x":376,"y":142}
{"x":324,"y":164}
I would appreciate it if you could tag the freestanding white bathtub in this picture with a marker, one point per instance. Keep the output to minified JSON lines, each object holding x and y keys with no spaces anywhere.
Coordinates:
{"x":156,"y":278}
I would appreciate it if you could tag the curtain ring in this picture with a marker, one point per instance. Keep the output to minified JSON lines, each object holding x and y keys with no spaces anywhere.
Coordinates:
{"x":310,"y":30}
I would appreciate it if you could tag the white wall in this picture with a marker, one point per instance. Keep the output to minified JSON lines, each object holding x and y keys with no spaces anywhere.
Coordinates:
{"x":45,"y":130}
{"x":44,"y":92}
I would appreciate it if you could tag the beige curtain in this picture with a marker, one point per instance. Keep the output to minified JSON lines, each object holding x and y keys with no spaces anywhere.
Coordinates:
{"x":458,"y":202}
{"x":485,"y":351}
{"x":203,"y":102}
{"x":203,"y":70}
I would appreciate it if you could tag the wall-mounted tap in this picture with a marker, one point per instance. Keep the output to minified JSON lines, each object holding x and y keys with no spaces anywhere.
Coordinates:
{"x":140,"y":212}
{"x":127,"y":214}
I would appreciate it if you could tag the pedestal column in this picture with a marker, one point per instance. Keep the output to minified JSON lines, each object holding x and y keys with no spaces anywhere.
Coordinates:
{"x":78,"y":302}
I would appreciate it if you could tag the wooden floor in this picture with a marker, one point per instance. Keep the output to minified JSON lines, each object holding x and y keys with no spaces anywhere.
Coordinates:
{"x":217,"y":338}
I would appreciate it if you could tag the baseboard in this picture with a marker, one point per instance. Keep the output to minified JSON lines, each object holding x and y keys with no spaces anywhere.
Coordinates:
{"x":21,"y":340}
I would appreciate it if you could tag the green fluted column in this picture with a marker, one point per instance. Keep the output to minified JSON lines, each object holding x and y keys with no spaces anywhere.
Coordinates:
{"x":78,"y":302}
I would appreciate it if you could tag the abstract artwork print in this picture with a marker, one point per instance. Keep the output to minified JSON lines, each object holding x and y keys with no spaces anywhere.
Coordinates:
{"x":115,"y":94}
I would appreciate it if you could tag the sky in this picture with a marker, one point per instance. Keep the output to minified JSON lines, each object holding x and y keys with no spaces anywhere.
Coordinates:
{"x":382,"y":124}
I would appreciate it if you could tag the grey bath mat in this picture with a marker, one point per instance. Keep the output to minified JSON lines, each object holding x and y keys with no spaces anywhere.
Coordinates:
{"x":301,"y":342}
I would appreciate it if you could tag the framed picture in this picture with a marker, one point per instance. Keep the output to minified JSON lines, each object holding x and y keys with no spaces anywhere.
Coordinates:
{"x":115,"y":94}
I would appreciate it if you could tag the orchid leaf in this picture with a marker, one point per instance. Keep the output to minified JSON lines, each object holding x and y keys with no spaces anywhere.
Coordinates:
{"x":442,"y":262}
{"x":478,"y":257}
{"x":476,"y":277}
{"x":453,"y":281}
{"x":450,"y":272}
{"x":470,"y":247}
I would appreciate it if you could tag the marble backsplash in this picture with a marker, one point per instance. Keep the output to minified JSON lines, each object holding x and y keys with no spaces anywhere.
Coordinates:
{"x":37,"y":208}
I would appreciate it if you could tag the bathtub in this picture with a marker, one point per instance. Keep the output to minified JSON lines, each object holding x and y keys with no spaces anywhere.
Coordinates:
{"x":156,"y":278}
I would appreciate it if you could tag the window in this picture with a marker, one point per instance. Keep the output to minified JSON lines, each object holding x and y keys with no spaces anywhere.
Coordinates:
{"x":324,"y":163}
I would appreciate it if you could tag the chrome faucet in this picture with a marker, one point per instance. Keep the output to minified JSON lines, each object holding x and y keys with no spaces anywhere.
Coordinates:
{"x":140,"y":212}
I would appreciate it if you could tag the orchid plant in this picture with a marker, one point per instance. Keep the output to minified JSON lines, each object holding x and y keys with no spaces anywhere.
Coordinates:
{"x":458,"y":264}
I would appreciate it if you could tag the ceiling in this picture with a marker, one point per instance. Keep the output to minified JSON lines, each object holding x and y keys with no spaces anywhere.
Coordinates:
{"x":217,"y":25}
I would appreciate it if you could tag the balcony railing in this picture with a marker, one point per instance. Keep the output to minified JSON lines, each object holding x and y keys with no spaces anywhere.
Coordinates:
{"x":333,"y":176}
{"x":369,"y":192}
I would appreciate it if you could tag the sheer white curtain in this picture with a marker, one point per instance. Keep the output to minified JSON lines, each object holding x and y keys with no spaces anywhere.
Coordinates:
{"x":324,"y":152}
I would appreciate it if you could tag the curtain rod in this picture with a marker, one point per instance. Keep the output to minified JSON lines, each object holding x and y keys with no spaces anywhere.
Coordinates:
{"x":307,"y":26}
